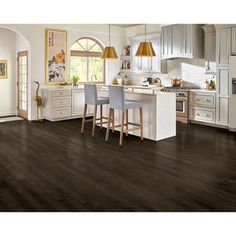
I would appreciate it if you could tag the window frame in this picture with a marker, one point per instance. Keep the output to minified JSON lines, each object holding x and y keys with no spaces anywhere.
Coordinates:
{"x":87,"y":54}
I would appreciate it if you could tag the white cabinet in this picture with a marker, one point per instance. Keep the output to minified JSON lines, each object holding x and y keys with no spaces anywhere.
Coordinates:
{"x":222,"y":108}
{"x":222,"y":102}
{"x":62,"y":104}
{"x":77,"y":102}
{"x":147,"y":64}
{"x":202,"y":106}
{"x":182,"y":41}
{"x":210,"y":48}
{"x":177,"y":40}
{"x":223,"y":46}
{"x":222,"y":81}
{"x":233,"y":42}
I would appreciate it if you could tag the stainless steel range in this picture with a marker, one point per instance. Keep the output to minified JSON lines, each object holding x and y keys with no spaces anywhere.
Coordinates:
{"x":182,"y":97}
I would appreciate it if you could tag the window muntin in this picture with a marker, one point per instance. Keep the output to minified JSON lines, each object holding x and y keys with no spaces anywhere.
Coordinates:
{"x":86,"y":61}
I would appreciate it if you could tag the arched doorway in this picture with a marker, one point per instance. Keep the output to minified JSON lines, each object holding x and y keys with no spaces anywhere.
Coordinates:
{"x":14,"y":90}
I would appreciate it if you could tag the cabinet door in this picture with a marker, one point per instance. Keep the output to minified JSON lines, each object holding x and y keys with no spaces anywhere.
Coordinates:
{"x":187,"y":41}
{"x":136,"y":62}
{"x":210,"y":46}
{"x":177,"y":37}
{"x":222,"y":110}
{"x":222,"y":81}
{"x":223,"y":51}
{"x":233,"y":41}
{"x":77,"y":102}
{"x":166,"y":41}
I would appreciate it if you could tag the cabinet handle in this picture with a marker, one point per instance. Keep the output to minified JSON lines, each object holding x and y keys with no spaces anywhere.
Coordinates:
{"x":207,"y":100}
{"x":198,"y":114}
{"x":207,"y":115}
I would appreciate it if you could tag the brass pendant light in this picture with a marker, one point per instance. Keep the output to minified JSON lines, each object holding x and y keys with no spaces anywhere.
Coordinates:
{"x":145,"y":48}
{"x":109,"y":52}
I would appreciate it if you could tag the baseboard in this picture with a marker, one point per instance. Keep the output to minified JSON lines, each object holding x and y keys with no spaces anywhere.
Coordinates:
{"x":12,"y":113}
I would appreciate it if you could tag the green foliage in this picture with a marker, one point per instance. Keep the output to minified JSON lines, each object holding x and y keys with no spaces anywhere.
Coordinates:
{"x":75,"y":79}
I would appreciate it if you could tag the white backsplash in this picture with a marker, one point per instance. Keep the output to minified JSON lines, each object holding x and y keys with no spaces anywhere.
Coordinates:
{"x":191,"y":71}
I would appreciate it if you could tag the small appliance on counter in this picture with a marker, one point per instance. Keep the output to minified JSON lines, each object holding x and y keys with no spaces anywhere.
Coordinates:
{"x":176,"y":82}
{"x":146,"y":81}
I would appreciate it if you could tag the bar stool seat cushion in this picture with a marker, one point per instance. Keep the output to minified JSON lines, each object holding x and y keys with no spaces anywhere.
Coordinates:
{"x":132,"y":104}
{"x":102,"y":100}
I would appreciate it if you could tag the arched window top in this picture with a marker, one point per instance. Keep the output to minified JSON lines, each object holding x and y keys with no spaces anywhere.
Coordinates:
{"x":87,"y":45}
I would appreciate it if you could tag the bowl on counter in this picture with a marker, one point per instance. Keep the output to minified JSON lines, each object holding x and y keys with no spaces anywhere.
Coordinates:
{"x":176,"y":82}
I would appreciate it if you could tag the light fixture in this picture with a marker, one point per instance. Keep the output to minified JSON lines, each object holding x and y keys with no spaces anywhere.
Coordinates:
{"x":145,"y":48}
{"x":109,"y":52}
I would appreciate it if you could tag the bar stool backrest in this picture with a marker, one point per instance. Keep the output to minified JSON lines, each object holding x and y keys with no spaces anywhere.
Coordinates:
{"x":91,"y":96}
{"x":116,"y":97}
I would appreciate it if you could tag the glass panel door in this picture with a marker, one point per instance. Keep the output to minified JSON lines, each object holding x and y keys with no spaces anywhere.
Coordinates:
{"x":22,"y":82}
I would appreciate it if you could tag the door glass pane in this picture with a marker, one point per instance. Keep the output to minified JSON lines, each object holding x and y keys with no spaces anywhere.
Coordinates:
{"x":22,"y":83}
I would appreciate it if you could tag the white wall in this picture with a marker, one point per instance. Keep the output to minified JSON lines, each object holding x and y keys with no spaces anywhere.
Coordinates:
{"x":8,"y":86}
{"x":35,"y":34}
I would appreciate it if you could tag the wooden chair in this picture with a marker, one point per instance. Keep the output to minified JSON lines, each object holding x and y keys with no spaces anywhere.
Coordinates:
{"x":91,"y":98}
{"x":117,"y":102}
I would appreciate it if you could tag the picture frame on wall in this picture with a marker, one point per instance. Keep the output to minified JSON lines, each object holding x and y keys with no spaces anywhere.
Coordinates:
{"x":3,"y":69}
{"x":56,"y":56}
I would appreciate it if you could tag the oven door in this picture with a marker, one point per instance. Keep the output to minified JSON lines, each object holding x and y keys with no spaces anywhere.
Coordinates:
{"x":182,"y":107}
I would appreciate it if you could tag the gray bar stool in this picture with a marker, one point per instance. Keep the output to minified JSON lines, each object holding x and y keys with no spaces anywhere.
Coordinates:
{"x":91,"y":98}
{"x":118,"y":102}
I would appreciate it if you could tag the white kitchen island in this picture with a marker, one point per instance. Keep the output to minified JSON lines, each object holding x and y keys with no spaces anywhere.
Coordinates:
{"x":159,"y":112}
{"x":159,"y":108}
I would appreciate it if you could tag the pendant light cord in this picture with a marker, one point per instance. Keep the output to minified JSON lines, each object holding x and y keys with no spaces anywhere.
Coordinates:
{"x":109,"y":35}
{"x":145,"y":32}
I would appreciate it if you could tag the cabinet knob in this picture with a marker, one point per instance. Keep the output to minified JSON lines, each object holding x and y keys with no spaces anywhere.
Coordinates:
{"x":207,"y":100}
{"x":198,"y":114}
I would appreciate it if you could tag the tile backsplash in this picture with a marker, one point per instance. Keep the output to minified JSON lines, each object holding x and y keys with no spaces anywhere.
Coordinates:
{"x":191,"y":71}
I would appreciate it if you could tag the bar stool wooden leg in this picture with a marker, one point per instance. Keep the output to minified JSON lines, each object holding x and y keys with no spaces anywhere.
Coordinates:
{"x":94,"y":120}
{"x":113,"y":120}
{"x":141,"y":122}
{"x":108,"y":124}
{"x":127,"y":120}
{"x":122,"y":127}
{"x":101,"y":116}
{"x":84,"y":116}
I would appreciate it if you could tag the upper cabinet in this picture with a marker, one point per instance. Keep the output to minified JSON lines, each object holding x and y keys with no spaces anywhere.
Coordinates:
{"x":210,"y":48}
{"x":147,"y":64}
{"x":223,"y":46}
{"x":233,"y":44}
{"x":182,"y":41}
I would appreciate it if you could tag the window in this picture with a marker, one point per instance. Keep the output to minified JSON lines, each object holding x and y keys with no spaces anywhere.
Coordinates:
{"x":86,"y":61}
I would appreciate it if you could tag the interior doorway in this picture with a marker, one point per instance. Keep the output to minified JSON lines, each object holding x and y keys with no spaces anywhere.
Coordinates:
{"x":22,"y":84}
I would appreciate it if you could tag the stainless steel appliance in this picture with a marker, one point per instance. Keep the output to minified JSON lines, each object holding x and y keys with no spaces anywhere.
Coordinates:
{"x":182,"y":97}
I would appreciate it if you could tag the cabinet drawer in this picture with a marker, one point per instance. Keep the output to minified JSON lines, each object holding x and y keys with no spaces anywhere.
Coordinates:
{"x":61,"y":93}
{"x":207,"y":100}
{"x":61,"y":112}
{"x":61,"y":101}
{"x":202,"y":114}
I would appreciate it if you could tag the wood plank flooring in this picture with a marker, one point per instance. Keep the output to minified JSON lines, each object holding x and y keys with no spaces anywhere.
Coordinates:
{"x":51,"y":167}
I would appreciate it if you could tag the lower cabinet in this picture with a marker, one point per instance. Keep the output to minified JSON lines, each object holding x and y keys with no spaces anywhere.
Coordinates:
{"x":202,"y":106}
{"x":62,"y":104}
{"x":222,"y":108}
{"x":202,"y":114}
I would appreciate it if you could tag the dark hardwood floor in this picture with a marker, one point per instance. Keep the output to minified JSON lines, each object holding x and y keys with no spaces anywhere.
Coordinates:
{"x":47,"y":166}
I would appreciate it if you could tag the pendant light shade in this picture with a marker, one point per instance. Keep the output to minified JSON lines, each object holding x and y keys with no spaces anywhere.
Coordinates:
{"x":145,"y":49}
{"x":109,"y":51}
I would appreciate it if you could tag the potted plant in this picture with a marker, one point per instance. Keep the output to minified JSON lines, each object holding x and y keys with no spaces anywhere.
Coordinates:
{"x":75,"y":80}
